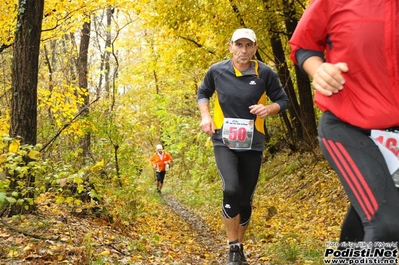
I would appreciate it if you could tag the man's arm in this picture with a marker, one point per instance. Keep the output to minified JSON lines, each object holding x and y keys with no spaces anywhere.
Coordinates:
{"x":207,"y":125}
{"x":168,"y":159}
{"x":153,"y":161}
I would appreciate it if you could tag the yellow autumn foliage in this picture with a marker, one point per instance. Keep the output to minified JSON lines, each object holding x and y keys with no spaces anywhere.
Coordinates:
{"x":14,"y":145}
{"x":34,"y":155}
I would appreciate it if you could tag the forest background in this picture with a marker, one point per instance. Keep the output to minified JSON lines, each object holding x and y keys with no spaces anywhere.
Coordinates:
{"x":115,"y":78}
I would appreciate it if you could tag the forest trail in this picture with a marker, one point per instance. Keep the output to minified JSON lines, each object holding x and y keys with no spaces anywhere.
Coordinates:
{"x":57,"y":235}
{"x":182,"y":226}
{"x":204,"y":235}
{"x":213,"y":245}
{"x":147,"y":228}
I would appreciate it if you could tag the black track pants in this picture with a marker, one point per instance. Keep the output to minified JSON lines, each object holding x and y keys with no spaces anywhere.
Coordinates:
{"x":365,"y":177}
{"x":239,"y":172}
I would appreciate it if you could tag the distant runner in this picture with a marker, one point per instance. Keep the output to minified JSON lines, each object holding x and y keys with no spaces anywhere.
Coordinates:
{"x":160,"y":162}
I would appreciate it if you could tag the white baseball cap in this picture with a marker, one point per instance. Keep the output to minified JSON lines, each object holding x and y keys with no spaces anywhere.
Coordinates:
{"x":159,"y":147}
{"x":244,"y":34}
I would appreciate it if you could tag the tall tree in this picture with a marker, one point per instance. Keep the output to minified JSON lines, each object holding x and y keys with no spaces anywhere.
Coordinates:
{"x":25,"y":70}
{"x":307,"y":114}
{"x":25,"y":65}
{"x":83,"y":83}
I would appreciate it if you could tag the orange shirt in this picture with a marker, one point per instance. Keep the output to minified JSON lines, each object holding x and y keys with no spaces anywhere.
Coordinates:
{"x":161,"y":161}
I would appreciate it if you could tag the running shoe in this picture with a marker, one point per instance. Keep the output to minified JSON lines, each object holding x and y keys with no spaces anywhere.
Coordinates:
{"x":234,"y":255}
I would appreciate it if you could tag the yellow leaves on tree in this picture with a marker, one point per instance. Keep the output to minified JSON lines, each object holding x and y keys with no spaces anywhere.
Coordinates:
{"x":98,"y":166}
{"x":62,"y":101}
{"x":7,"y":21}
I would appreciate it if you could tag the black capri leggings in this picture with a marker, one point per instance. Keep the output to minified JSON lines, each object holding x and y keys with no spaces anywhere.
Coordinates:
{"x":365,"y":177}
{"x":160,"y":176}
{"x":239,"y":172}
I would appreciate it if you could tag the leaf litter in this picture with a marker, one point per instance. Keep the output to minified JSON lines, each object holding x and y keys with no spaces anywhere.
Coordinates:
{"x":302,"y":205}
{"x":56,"y":235}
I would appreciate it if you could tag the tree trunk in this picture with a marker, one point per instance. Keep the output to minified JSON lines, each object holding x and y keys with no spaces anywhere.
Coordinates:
{"x":25,"y":71}
{"x":293,"y":125}
{"x":107,"y":54}
{"x":308,"y":118}
{"x":25,"y":65}
{"x":83,"y":83}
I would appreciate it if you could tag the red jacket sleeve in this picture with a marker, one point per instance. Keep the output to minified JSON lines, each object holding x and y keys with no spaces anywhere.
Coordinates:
{"x":311,"y":32}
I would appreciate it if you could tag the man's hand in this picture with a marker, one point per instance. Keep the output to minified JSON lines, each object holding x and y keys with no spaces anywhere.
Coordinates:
{"x":207,"y":126}
{"x":328,"y":78}
{"x":263,"y":111}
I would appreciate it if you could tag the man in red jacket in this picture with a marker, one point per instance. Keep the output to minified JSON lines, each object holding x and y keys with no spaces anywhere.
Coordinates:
{"x":350,"y":49}
{"x":160,"y":162}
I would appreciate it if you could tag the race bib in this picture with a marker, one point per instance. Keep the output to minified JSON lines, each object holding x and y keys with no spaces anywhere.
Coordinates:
{"x":238,"y":133}
{"x":388,"y":143}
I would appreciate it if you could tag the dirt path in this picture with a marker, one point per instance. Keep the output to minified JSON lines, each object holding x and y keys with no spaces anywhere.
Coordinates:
{"x":214,"y":247}
{"x":211,"y":242}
